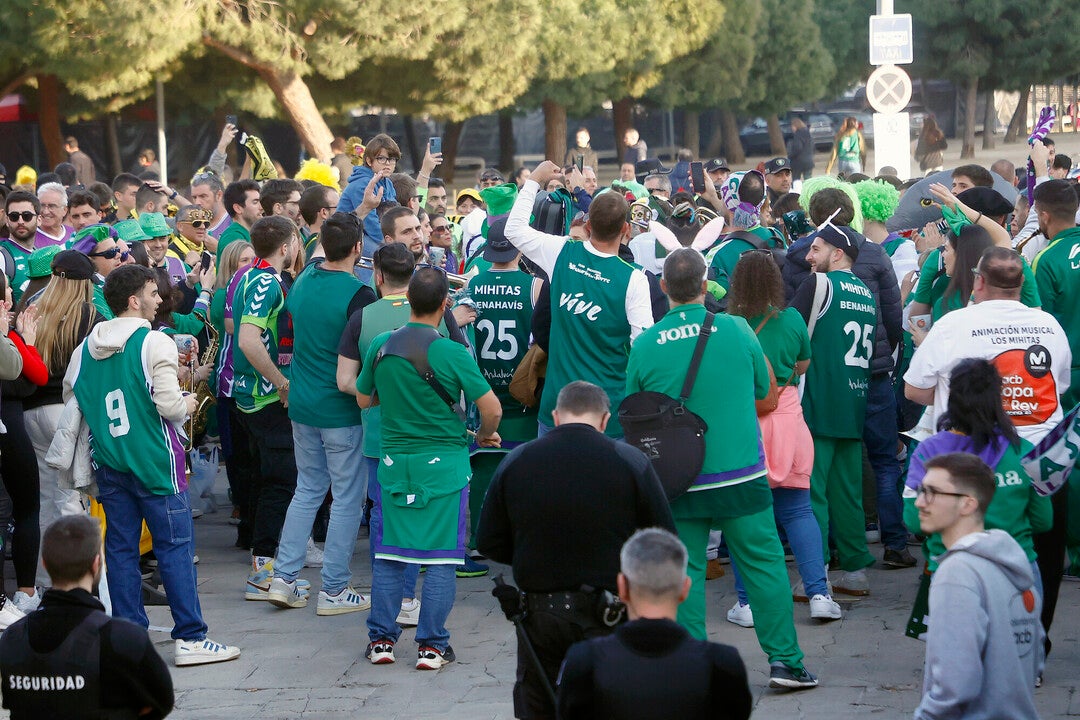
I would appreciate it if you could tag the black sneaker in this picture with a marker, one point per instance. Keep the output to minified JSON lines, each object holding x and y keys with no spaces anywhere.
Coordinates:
{"x":781,"y":676}
{"x":380,"y":652}
{"x":899,"y":559}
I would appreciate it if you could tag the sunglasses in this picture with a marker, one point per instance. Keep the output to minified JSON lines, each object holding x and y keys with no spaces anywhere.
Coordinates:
{"x":110,"y":254}
{"x":198,"y":224}
{"x":440,"y":228}
{"x":26,"y":216}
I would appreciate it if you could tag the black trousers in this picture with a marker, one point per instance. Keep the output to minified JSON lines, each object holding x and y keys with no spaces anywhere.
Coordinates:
{"x":241,"y":465}
{"x":1050,"y":547}
{"x":551,"y":634}
{"x":19,"y":469}
{"x":270,"y":433}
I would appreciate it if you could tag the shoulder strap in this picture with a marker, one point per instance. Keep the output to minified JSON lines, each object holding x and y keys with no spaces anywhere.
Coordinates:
{"x":695,"y":360}
{"x":819,"y":300}
{"x":407,"y":343}
{"x":767,"y":318}
{"x":747,"y":236}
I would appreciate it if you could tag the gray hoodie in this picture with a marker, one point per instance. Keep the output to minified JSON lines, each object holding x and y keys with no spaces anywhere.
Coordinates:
{"x":984,"y":645}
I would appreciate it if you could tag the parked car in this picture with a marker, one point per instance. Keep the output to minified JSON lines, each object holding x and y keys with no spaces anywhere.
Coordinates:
{"x":755,"y":134}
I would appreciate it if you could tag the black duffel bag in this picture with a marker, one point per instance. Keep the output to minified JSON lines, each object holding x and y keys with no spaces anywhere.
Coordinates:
{"x":672,"y":437}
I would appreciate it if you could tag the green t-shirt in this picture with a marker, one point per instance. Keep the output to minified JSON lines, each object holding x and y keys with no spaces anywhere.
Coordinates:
{"x":259,"y":301}
{"x":382,"y":316}
{"x":318,"y":304}
{"x":21,"y":256}
{"x":501,"y":331}
{"x":127,"y":434}
{"x":99,"y":302}
{"x":1057,"y":274}
{"x":847,"y":148}
{"x":834,"y":400}
{"x":235,"y":231}
{"x":414,"y":418}
{"x":784,"y":341}
{"x":732,"y":375}
{"x":933,"y":282}
{"x":723,"y":258}
{"x":590,"y":333}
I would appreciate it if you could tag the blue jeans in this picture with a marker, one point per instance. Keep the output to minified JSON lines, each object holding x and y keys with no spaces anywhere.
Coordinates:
{"x":326,"y":459}
{"x":543,"y":428}
{"x":879,"y":435}
{"x":791,"y":507}
{"x":411,"y":572}
{"x":387,"y":578}
{"x":127,"y":503}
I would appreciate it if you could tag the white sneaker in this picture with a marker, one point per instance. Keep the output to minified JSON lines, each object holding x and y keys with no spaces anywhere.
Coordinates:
{"x":27,"y":603}
{"x":284,"y":594}
{"x":741,"y":615}
{"x":9,"y":613}
{"x":823,"y":607}
{"x":314,"y":556}
{"x":410,"y":613}
{"x":798,"y":593}
{"x":346,"y":601}
{"x":203,"y":652}
{"x":854,"y":583}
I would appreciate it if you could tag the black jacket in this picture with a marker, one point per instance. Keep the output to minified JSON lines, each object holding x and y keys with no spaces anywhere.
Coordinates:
{"x":874,"y":268}
{"x":133,"y":675}
{"x":560,"y":507}
{"x":801,"y":151}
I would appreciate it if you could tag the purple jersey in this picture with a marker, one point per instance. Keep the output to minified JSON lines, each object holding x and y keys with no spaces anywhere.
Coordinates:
{"x":225,"y":355}
{"x":44,"y":240}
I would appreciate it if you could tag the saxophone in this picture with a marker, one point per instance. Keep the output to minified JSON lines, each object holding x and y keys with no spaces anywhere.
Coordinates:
{"x":204,"y":396}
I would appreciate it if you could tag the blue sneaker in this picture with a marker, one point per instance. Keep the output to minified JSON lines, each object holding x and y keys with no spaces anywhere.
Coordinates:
{"x":471,"y":569}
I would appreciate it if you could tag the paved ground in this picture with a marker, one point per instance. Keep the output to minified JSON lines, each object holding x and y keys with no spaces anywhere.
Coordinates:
{"x":298,"y":665}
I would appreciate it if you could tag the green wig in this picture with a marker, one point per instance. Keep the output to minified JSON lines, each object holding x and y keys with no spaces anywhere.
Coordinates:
{"x":813,"y":185}
{"x":878,"y":199}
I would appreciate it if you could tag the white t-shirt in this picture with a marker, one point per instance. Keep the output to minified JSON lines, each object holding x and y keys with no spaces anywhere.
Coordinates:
{"x":1028,"y":347}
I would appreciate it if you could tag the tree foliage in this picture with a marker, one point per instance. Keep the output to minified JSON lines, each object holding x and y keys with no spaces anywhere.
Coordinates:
{"x":844,"y":28}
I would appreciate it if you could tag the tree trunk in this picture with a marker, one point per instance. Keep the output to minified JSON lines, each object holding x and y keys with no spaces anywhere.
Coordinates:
{"x":415,"y":159}
{"x":300,"y":109}
{"x":989,"y":121}
{"x":715,"y":145}
{"x":507,"y":146}
{"x":112,"y":145}
{"x":451,"y":138}
{"x":11,"y":83}
{"x":692,"y":131}
{"x":622,"y":115}
{"x":554,"y":131}
{"x":49,"y":119}
{"x":776,"y":136}
{"x":733,"y":150}
{"x":967,"y":150}
{"x":1018,"y":124}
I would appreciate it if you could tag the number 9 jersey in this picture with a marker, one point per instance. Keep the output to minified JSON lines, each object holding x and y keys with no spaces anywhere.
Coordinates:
{"x":842,"y":345}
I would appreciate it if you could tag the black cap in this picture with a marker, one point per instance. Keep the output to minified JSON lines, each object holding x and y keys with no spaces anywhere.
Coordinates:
{"x":498,"y":249}
{"x":777,"y":164}
{"x":716,"y":164}
{"x":986,"y":200}
{"x":649,"y":166}
{"x":73,"y":265}
{"x":492,"y":174}
{"x":840,"y":237}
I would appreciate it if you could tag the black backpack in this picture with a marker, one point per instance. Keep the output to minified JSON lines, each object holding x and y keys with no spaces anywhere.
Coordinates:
{"x":553,"y":212}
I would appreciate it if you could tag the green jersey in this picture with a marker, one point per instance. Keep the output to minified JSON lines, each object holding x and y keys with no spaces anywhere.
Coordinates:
{"x":1057,"y":273}
{"x":260,"y":301}
{"x":732,"y":375}
{"x":127,"y":434}
{"x":414,"y":419}
{"x":847,"y":147}
{"x":504,"y":306}
{"x":834,"y":401}
{"x":723,"y":257}
{"x":784,"y":341}
{"x":21,"y":256}
{"x":318,"y":304}
{"x":590,"y":333}
{"x":99,"y":300}
{"x":386,"y":314}
{"x":235,"y":231}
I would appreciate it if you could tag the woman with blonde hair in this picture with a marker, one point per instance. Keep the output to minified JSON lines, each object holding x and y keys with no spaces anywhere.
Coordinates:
{"x":849,"y":148}
{"x":66,"y":315}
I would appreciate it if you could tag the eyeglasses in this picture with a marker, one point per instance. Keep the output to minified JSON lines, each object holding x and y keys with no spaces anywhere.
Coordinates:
{"x":330,"y":207}
{"x":384,"y":160}
{"x":433,"y":267}
{"x":52,"y":206}
{"x":653,"y":191}
{"x":26,"y":216}
{"x":110,"y":254}
{"x":930,"y":492}
{"x":440,"y":228}
{"x":581,"y":218}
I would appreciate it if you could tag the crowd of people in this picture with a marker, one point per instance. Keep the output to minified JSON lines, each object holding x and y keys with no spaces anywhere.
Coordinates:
{"x":368,"y":350}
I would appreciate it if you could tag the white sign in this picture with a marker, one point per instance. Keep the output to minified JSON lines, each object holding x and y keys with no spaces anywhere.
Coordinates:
{"x":888,"y":89}
{"x":892,"y":143}
{"x":890,"y":40}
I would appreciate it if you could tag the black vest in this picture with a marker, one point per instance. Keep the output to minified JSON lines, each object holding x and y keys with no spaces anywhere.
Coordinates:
{"x":63,"y":683}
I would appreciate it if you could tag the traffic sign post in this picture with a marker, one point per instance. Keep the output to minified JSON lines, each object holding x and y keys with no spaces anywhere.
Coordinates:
{"x":890,"y":40}
{"x":892,"y":143}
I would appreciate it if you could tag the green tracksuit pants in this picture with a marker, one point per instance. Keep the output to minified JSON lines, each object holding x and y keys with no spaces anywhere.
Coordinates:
{"x":836,"y":496}
{"x":755,"y":546}
{"x":483,"y":465}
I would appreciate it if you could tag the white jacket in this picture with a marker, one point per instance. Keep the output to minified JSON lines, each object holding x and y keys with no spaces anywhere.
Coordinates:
{"x":70,"y":451}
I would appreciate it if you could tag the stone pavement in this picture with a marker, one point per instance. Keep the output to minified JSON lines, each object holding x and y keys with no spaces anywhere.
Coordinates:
{"x":298,"y":665}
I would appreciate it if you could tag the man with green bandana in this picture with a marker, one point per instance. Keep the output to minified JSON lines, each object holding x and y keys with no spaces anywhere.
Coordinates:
{"x":732,"y":493}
